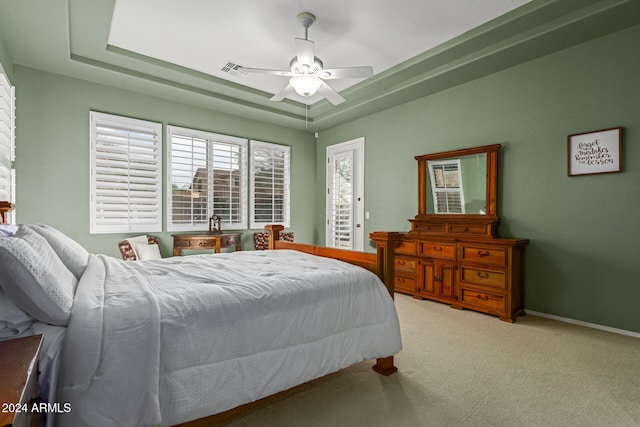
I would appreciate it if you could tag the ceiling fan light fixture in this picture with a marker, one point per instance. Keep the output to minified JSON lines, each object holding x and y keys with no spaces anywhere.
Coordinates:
{"x":305,"y":85}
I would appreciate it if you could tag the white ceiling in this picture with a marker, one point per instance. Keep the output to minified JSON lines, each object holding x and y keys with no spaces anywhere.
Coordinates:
{"x":203,"y":34}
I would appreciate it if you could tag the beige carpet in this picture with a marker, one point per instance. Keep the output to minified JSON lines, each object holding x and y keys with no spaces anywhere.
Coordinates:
{"x":460,"y":368}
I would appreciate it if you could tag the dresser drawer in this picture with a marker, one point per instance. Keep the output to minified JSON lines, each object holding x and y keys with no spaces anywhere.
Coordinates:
{"x":483,"y":254}
{"x":202,"y":243}
{"x":405,"y":266}
{"x":406,"y":247}
{"x":404,"y":284}
{"x":467,"y":228}
{"x":231,"y":240}
{"x":485,"y":300}
{"x":194,"y":243}
{"x":479,"y":276}
{"x":438,"y":250}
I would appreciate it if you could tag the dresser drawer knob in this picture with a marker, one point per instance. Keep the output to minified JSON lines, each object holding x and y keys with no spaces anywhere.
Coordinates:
{"x":401,"y":262}
{"x":483,"y":297}
{"x":437,"y":248}
{"x":483,"y":253}
{"x":400,"y":279}
{"x":483,"y":275}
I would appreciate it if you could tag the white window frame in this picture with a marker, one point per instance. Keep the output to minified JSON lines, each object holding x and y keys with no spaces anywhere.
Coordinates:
{"x":211,"y":138}
{"x":285,"y":186}
{"x":139,"y":208}
{"x":7,"y":143}
{"x":457,"y":190}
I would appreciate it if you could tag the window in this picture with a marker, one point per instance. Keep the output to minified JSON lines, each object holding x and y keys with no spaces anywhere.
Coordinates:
{"x":448,"y":195}
{"x":7,"y":143}
{"x":270,"y":195}
{"x":126,"y":174}
{"x":207,"y":175}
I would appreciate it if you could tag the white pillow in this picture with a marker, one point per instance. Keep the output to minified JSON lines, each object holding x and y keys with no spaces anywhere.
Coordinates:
{"x":137,"y":242}
{"x":35,"y":279}
{"x":13,"y":320}
{"x":8,"y":230}
{"x":70,"y":252}
{"x":148,"y":252}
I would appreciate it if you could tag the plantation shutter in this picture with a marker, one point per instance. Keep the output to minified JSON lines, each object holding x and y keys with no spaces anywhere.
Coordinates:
{"x":7,"y":140}
{"x":126,"y":174}
{"x":207,"y":175}
{"x":270,"y":185}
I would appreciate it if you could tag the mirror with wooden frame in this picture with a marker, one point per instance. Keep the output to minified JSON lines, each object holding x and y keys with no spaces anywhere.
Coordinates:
{"x":457,"y":192}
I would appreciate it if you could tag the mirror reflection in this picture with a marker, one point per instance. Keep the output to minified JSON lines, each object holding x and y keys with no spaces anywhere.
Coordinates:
{"x":457,"y":185}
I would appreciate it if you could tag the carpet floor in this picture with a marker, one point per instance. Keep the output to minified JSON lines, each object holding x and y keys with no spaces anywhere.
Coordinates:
{"x":461,"y":368}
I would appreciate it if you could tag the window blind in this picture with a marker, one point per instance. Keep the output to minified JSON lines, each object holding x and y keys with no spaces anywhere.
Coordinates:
{"x":126,"y":174}
{"x":341,"y":194}
{"x":7,"y":140}
{"x":270,"y":184}
{"x":207,"y":175}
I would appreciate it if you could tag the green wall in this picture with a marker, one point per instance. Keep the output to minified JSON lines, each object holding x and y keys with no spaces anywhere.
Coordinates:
{"x":5,"y":62}
{"x":582,"y":262}
{"x":52,"y":151}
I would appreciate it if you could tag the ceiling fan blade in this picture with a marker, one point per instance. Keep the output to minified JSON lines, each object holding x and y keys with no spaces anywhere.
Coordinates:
{"x":246,"y":70}
{"x":305,"y":51}
{"x":347,"y":73}
{"x":330,"y":93}
{"x":286,"y":91}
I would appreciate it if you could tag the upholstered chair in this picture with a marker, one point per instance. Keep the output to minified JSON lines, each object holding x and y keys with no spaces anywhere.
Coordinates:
{"x":261,"y":239}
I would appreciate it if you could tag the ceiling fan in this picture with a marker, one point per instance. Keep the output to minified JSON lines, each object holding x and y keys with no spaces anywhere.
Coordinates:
{"x":307,"y":75}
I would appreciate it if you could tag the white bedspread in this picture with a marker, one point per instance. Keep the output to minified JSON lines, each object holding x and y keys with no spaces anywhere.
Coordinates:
{"x":168,"y":341}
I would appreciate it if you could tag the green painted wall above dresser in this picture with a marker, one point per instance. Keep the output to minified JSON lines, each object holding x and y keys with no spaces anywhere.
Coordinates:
{"x":582,"y":260}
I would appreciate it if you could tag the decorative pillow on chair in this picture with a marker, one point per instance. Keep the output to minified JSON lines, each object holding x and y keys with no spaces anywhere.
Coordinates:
{"x":70,"y":252}
{"x":35,"y":279}
{"x":129,"y":247}
{"x":148,"y":252}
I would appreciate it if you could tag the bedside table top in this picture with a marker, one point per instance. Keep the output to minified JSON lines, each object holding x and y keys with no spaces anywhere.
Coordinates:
{"x":18,"y":360}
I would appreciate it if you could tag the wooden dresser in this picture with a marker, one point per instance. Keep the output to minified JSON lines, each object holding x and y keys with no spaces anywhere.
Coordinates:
{"x":453,"y":253}
{"x":474,"y":273}
{"x":19,"y":381}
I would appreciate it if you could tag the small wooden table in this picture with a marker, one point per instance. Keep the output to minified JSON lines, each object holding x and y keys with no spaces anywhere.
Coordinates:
{"x":19,"y":381}
{"x":215,"y":241}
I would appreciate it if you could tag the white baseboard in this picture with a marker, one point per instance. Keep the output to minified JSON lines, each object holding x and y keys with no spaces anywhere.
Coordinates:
{"x":587,"y":324}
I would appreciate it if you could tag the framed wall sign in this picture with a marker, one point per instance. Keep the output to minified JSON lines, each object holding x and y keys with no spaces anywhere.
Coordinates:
{"x":594,"y":152}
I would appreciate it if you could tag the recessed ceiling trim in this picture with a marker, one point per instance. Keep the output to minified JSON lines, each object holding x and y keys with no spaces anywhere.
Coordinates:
{"x":535,"y":29}
{"x":193,"y":89}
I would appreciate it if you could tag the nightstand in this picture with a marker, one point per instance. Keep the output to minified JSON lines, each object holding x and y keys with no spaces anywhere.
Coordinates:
{"x":19,"y":381}
{"x":215,"y":241}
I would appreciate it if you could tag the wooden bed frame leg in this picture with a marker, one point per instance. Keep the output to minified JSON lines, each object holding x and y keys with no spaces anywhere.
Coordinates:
{"x":385,"y":366}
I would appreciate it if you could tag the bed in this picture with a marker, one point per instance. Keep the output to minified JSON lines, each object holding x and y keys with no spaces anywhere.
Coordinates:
{"x":166,"y":342}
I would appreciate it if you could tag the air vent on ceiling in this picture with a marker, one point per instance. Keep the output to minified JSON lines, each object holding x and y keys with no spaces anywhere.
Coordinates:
{"x":231,"y":67}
